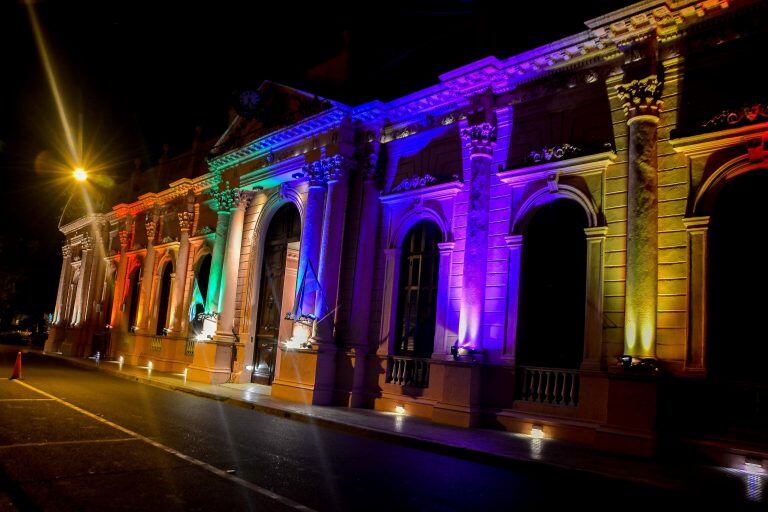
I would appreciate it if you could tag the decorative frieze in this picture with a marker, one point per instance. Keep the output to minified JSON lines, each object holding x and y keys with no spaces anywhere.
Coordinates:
{"x":480,"y":138}
{"x":641,"y":97}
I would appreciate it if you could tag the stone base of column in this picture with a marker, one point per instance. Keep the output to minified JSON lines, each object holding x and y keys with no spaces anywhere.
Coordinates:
{"x":359,"y":359}
{"x":306,"y":375}
{"x":459,"y":393}
{"x":211,"y":363}
{"x":55,"y":336}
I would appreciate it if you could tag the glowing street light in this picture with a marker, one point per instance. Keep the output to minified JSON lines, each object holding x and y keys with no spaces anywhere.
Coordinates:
{"x":80,"y":174}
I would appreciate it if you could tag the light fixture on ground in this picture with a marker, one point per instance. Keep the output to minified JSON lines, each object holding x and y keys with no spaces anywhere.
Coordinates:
{"x":399,"y":409}
{"x":80,"y":174}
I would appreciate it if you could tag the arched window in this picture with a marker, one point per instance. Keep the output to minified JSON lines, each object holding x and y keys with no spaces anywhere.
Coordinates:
{"x":164,"y":299}
{"x":553,"y":287}
{"x":133,"y":296}
{"x":417,"y":287}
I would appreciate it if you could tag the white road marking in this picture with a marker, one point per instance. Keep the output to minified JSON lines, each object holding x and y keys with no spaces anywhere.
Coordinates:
{"x":26,"y":400}
{"x":212,"y":469}
{"x":80,"y":441}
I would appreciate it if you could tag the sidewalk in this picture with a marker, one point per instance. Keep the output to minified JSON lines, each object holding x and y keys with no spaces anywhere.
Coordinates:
{"x":480,"y":444}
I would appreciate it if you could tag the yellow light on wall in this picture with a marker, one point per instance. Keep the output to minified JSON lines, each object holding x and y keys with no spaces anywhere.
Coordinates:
{"x":80,"y":174}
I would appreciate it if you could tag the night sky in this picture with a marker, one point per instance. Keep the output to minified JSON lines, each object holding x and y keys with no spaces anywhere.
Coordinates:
{"x":142,"y":74}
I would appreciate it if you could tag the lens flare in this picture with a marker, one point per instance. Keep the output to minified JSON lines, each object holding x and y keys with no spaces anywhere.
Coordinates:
{"x":80,"y":174}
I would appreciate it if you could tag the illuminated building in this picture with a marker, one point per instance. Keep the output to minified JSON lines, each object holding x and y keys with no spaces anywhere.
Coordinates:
{"x":523,"y":243}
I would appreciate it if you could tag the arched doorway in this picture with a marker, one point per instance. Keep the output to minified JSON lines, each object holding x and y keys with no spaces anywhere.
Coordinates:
{"x":737,"y":279}
{"x":553,"y":287}
{"x":284,"y":231}
{"x":164,"y":297}
{"x":417,"y":289}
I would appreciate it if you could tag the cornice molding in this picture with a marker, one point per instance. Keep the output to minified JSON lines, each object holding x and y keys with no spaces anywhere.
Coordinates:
{"x":579,"y":165}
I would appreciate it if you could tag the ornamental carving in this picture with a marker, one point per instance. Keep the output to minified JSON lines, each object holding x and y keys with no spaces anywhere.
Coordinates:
{"x":224,"y":200}
{"x":480,"y":138}
{"x":123,"y":235}
{"x":66,"y":251}
{"x":205,"y":230}
{"x":747,"y":114}
{"x":151,"y":226}
{"x":333,"y":168}
{"x":414,"y":182}
{"x":242,"y":198}
{"x":553,"y":153}
{"x":641,"y":97}
{"x":185,"y":221}
{"x":87,"y":243}
{"x":322,"y":171}
{"x":314,"y":173}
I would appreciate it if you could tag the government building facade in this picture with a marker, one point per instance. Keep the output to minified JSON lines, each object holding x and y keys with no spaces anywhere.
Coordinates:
{"x":560,"y":240}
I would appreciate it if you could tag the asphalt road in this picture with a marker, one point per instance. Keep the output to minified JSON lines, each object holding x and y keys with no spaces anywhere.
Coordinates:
{"x":78,"y":439}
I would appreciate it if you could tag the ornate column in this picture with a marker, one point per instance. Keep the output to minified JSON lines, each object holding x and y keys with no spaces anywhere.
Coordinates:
{"x":641,"y":101}
{"x":147,"y":271}
{"x":330,"y":247}
{"x":222,"y":203}
{"x":186,"y":219}
{"x":443,"y":299}
{"x":122,"y":268}
{"x":87,"y":257}
{"x":66,"y":252}
{"x":480,"y":139}
{"x":593,"y":321}
{"x":311,"y":233}
{"x":360,"y":314}
{"x":515,"y":246}
{"x":697,"y":228}
{"x":228,"y":288}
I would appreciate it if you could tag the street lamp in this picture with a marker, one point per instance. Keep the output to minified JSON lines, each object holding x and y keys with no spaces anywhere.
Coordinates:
{"x":80,"y":174}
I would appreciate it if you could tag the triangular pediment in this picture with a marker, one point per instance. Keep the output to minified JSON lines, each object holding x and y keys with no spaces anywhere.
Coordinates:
{"x":269,"y":108}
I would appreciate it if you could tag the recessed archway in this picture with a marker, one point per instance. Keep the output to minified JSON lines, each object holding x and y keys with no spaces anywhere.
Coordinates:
{"x":282,"y":235}
{"x":737,"y":278}
{"x":553,"y":286}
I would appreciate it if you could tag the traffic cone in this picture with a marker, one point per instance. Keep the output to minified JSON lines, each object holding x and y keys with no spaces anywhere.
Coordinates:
{"x":17,"y":368}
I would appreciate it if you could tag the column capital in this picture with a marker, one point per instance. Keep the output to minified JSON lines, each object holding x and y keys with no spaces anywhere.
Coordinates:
{"x":87,"y":243}
{"x":696,"y":223}
{"x":123,"y":234}
{"x":66,"y":251}
{"x":513,"y":241}
{"x":224,"y":200}
{"x":150,"y":224}
{"x":445,"y":247}
{"x":326,"y":170}
{"x":242,"y":198}
{"x":480,"y":138}
{"x":596,"y":232}
{"x":185,"y":221}
{"x":641,"y":97}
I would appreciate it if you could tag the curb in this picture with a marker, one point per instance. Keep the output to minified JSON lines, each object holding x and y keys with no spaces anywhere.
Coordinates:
{"x":408,"y":440}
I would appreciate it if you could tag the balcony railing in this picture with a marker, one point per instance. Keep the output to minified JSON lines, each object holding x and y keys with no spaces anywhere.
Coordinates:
{"x":408,"y":371}
{"x":553,"y":386}
{"x":156,"y":344}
